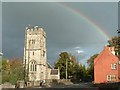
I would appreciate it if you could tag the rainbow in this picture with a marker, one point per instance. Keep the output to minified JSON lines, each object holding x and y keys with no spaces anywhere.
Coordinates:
{"x":86,"y":19}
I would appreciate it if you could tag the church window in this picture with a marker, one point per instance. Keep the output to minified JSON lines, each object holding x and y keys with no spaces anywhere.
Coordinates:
{"x":33,"y":66}
{"x":32,"y":41}
{"x":43,"y":53}
{"x":41,"y":43}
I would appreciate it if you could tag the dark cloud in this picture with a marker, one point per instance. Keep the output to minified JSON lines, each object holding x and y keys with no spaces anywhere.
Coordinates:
{"x":0,"y":27}
{"x":64,"y":29}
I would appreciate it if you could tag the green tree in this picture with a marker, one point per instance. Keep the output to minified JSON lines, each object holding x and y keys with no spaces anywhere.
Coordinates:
{"x":115,"y":42}
{"x":90,"y":69}
{"x":5,"y":70}
{"x":12,"y":70}
{"x":80,"y":72}
{"x":84,"y":76}
{"x":61,"y":63}
{"x":90,"y":61}
{"x":16,"y":70}
{"x":76,"y":71}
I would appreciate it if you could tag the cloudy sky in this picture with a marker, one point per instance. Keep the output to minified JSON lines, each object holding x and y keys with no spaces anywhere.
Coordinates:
{"x":81,"y":29}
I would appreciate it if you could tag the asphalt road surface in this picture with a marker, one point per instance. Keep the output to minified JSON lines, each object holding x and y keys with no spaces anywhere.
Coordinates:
{"x":80,"y":85}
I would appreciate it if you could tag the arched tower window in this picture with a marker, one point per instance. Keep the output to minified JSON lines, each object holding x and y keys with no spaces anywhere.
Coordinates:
{"x":33,"y":66}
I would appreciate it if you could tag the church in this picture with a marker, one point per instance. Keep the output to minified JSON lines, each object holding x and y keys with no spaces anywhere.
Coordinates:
{"x":35,"y":57}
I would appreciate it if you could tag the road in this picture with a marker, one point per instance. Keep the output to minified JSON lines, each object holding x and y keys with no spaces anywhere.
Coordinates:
{"x":80,"y":85}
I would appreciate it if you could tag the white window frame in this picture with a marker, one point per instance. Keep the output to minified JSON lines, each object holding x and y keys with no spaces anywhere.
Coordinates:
{"x":110,"y":77}
{"x":119,"y":62}
{"x":113,"y":76}
{"x":113,"y":66}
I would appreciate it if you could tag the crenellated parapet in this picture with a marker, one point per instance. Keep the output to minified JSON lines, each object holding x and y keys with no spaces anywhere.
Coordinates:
{"x":30,"y":30}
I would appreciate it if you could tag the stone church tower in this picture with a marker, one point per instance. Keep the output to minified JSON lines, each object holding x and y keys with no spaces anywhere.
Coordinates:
{"x":35,"y":53}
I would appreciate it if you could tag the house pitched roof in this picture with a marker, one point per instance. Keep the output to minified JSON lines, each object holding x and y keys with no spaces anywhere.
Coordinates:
{"x":105,"y":50}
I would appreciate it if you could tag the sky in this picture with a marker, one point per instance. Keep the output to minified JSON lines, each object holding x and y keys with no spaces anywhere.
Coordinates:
{"x":80,"y":28}
{"x":60,"y":0}
{"x":0,"y":27}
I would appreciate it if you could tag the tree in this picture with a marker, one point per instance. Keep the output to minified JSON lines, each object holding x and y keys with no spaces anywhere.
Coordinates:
{"x":90,"y":69}
{"x":76,"y":71}
{"x":90,"y":61}
{"x":12,"y":70}
{"x":16,"y":70}
{"x":61,"y":63}
{"x":115,"y":42}
{"x":5,"y":70}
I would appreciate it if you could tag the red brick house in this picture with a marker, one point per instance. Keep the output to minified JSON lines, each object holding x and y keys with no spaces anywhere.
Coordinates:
{"x":106,"y":66}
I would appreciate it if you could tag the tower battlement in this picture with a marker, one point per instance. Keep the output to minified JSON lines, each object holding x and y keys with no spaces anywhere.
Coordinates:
{"x":35,"y":30}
